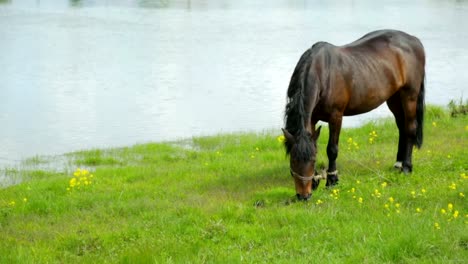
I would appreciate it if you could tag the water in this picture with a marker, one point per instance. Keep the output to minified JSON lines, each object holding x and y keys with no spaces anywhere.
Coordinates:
{"x":84,"y":74}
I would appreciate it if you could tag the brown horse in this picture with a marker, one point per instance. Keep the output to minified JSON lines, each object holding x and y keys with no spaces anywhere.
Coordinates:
{"x":330,"y":82}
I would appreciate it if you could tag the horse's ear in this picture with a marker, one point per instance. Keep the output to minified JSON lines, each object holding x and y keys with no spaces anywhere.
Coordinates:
{"x":288,"y":136}
{"x":317,"y":133}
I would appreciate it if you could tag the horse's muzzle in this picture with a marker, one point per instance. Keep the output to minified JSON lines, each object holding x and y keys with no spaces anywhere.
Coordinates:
{"x":301,"y":197}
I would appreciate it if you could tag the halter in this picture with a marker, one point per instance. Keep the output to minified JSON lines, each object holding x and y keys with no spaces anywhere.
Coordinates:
{"x":322,"y":175}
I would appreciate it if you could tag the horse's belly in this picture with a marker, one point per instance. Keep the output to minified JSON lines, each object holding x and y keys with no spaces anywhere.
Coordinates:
{"x":358,"y":106}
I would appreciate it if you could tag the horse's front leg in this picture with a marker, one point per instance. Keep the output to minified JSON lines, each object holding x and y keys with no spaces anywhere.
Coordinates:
{"x":332,"y":149}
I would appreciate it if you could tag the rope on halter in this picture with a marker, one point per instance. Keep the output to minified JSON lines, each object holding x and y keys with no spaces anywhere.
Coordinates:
{"x":321,"y":175}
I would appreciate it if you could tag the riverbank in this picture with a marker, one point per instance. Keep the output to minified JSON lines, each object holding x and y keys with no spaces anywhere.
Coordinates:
{"x":229,"y":198}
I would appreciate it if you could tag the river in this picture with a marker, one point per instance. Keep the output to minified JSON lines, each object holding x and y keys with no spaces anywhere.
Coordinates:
{"x":85,"y":74}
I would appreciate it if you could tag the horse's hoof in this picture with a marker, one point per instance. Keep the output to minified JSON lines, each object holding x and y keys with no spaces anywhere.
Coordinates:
{"x":406,"y":170}
{"x":332,"y":181}
{"x":315,"y":184}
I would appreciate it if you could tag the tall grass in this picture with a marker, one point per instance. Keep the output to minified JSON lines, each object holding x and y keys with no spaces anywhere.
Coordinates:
{"x":229,"y":198}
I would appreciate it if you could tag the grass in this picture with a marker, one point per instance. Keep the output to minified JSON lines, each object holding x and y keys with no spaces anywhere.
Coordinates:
{"x":229,"y":199}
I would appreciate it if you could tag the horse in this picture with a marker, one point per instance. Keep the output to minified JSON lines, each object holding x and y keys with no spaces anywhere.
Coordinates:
{"x":330,"y":82}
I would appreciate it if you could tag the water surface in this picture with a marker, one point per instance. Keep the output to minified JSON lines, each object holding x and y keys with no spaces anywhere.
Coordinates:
{"x":85,"y":74}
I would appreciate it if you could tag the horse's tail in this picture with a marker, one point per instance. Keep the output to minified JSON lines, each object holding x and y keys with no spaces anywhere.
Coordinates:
{"x":420,"y":115}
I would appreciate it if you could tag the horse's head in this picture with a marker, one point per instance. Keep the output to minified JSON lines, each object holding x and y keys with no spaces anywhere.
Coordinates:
{"x":302,"y":150}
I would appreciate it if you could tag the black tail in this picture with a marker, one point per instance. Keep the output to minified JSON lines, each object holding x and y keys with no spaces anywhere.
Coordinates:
{"x":420,"y":116}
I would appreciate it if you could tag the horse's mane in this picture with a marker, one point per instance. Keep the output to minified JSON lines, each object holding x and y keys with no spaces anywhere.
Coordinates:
{"x":295,"y":112}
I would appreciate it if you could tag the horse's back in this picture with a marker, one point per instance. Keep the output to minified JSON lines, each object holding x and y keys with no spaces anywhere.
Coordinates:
{"x":365,"y":73}
{"x":395,"y":38}
{"x":380,"y":43}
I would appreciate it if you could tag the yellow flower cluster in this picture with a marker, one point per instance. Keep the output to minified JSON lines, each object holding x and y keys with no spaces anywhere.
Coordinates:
{"x":81,"y":179}
{"x":376,"y":194}
{"x":463,"y":176}
{"x":453,"y":186}
{"x":12,"y":203}
{"x":421,"y":193}
{"x":335,"y":194}
{"x":352,"y":144}
{"x":372,"y":136}
{"x":392,"y":205}
{"x":450,"y":213}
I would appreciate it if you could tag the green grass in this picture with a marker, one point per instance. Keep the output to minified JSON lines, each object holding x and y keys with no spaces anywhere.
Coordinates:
{"x":230,"y":199}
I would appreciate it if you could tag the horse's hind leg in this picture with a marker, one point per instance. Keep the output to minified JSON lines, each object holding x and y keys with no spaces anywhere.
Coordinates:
{"x":395,"y":105}
{"x":409,"y":102}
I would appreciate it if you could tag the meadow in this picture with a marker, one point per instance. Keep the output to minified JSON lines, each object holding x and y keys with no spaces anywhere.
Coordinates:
{"x":230,"y":199}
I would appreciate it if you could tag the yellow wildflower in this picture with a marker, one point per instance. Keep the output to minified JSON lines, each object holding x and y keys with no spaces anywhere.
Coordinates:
{"x":360,"y":199}
{"x":442,"y":211}
{"x":418,"y":210}
{"x":434,"y":124}
{"x":450,"y":207}
{"x":462,"y":195}
{"x":372,"y":136}
{"x":319,"y":202}
{"x":376,"y":193}
{"x":455,"y":214}
{"x":72,"y":182}
{"x":453,"y":186}
{"x":281,"y":139}
{"x":436,"y":225}
{"x":391,"y":200}
{"x":384,"y":184}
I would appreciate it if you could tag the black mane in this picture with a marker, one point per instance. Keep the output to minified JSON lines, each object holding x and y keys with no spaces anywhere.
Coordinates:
{"x":295,"y":113}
